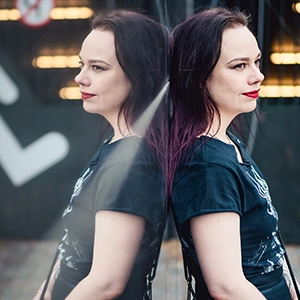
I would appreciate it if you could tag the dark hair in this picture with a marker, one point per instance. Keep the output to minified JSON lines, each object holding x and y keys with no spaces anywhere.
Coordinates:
{"x":142,"y":50}
{"x":195,"y":51}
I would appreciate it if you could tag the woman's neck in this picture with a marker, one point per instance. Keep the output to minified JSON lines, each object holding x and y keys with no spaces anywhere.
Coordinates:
{"x":121,"y":130}
{"x":218,"y":129}
{"x":120,"y":135}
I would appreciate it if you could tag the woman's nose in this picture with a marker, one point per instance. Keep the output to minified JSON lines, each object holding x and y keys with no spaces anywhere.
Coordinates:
{"x":256,"y":77}
{"x":261,"y":75}
{"x":82,"y":79}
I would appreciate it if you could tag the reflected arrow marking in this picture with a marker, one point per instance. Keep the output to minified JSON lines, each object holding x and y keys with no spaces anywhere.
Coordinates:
{"x":9,"y":91}
{"x":23,"y":164}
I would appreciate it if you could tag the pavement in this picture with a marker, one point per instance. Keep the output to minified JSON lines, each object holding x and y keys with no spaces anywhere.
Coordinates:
{"x":25,"y":264}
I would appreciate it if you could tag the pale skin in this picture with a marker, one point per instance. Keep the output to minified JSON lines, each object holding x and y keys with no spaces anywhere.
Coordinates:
{"x":118,"y":235}
{"x":217,"y":235}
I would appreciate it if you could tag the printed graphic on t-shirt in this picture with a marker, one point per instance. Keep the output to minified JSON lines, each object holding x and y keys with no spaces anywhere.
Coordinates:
{"x":72,"y":241}
{"x":269,"y":254}
{"x":76,"y":255}
{"x":263,"y":190}
{"x":77,"y":189}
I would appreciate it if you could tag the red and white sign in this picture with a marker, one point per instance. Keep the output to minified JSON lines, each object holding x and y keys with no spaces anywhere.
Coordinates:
{"x":35,"y":13}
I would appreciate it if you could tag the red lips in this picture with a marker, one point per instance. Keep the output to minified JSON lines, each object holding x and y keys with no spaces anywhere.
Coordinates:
{"x":85,"y":96}
{"x":252,"y":94}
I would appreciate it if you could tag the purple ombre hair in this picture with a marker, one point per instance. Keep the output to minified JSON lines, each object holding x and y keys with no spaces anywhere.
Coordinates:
{"x":195,"y":51}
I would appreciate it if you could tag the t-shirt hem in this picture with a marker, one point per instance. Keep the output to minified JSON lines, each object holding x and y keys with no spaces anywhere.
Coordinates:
{"x":150,"y":220}
{"x":207,"y":212}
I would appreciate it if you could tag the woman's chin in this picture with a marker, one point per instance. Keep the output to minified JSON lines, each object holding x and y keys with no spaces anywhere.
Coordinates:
{"x":89,"y":108}
{"x":251,"y":107}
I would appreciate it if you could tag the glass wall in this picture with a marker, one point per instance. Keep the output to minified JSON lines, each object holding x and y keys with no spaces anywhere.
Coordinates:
{"x":46,"y":138}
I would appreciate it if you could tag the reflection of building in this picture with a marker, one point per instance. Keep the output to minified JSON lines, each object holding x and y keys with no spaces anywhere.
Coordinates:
{"x":39,"y":56}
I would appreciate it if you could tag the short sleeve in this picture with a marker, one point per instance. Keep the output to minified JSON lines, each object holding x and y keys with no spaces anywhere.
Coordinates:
{"x":206,"y":188}
{"x":128,"y":187}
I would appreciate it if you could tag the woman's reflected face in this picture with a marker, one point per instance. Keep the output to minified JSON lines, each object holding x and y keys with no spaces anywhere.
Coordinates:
{"x":103,"y":84}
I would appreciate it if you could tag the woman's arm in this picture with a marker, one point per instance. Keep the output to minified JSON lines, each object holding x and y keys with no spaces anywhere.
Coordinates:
{"x":217,"y":241}
{"x":53,"y":277}
{"x":117,"y":241}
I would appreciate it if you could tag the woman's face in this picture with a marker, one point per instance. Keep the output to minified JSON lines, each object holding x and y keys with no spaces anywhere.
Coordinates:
{"x":103,"y":84}
{"x":235,"y":81}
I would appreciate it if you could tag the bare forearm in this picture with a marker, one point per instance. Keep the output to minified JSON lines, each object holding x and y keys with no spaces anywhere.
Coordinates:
{"x":240,"y":290}
{"x":93,"y":290}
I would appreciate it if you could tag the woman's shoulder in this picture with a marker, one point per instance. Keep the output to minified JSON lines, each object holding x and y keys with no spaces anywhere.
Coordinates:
{"x":207,"y":156}
{"x":129,"y":149}
{"x":206,"y":150}
{"x":134,"y":155}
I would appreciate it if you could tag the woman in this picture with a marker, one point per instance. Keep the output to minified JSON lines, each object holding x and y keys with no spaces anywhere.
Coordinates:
{"x":222,"y":207}
{"x":116,"y":216}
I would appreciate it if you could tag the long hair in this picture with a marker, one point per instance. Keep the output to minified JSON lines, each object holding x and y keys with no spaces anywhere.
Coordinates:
{"x":142,"y":50}
{"x":195,"y":51}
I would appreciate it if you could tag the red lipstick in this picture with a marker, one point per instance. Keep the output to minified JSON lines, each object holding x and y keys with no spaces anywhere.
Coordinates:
{"x":252,"y":94}
{"x":85,"y":96}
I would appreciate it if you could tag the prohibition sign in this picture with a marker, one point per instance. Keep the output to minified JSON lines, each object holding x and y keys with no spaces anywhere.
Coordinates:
{"x":35,"y":13}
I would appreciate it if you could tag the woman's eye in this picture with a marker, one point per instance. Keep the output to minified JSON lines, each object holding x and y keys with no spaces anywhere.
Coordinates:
{"x":240,"y":66}
{"x":80,"y":63}
{"x":258,"y":62}
{"x":97,"y":68}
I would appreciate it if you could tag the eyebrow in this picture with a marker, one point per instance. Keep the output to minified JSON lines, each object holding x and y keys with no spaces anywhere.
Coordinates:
{"x":93,"y":61}
{"x":243,"y":58}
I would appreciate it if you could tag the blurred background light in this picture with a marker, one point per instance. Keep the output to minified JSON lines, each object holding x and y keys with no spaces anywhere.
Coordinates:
{"x":277,"y":91}
{"x":285,"y":58}
{"x":56,"y":61}
{"x":9,"y":14}
{"x":296,"y":7}
{"x":64,"y":13}
{"x":70,"y":93}
{"x":57,"y":13}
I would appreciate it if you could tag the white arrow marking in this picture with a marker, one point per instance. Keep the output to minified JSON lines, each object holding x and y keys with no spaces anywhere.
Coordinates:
{"x":9,"y":92}
{"x":23,"y":164}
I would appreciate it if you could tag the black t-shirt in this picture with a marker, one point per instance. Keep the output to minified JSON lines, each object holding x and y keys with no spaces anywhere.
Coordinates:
{"x":122,"y":176}
{"x":211,"y":180}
